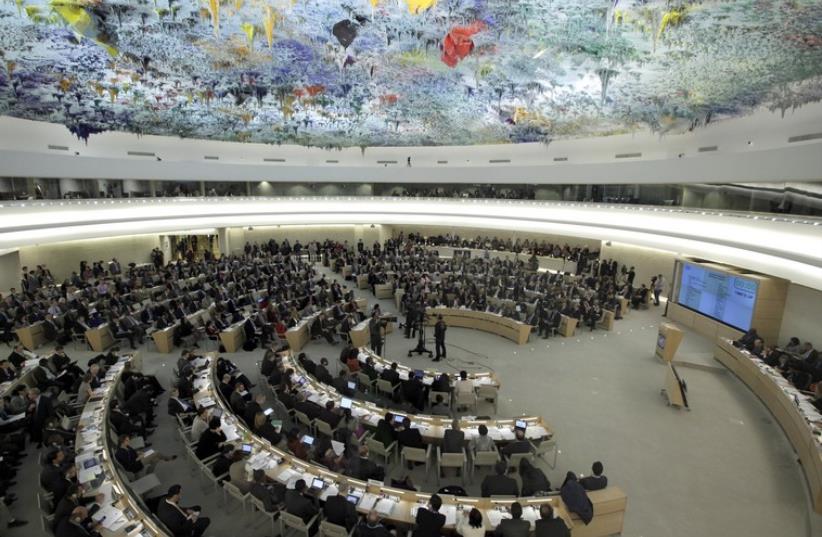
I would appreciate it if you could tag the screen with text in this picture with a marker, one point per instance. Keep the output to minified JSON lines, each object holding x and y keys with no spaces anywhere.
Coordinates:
{"x":721,"y":296}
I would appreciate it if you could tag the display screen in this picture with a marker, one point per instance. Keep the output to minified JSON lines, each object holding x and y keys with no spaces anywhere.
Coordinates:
{"x":725,"y":297}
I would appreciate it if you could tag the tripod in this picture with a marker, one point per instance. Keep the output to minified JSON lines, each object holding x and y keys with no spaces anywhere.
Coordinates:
{"x":420,"y":348}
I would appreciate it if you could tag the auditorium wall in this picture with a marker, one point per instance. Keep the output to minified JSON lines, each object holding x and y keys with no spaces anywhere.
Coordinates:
{"x":10,"y":271}
{"x":802,"y":315}
{"x":64,"y":258}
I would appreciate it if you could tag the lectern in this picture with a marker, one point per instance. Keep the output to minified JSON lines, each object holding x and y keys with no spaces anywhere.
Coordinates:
{"x":667,"y":341}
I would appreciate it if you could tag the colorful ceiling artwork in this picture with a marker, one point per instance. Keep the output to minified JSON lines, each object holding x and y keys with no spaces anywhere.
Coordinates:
{"x":404,"y":72}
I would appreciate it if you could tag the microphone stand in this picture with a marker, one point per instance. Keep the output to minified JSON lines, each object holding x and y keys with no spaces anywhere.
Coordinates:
{"x":420,"y":348}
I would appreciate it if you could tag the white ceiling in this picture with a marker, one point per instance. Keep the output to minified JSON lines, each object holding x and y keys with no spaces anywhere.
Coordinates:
{"x":770,"y":245}
{"x":749,"y":149}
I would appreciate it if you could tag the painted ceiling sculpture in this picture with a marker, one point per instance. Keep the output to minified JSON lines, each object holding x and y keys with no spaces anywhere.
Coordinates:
{"x":404,"y":72}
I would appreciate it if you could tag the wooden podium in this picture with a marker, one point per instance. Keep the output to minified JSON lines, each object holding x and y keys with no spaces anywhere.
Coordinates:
{"x":675,"y":389}
{"x":31,"y":336}
{"x":667,"y":341}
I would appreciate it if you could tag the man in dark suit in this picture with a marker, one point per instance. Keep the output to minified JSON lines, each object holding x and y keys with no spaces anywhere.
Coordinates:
{"x":548,"y":526}
{"x":73,"y":525}
{"x":514,"y":526}
{"x":312,"y":410}
{"x":322,"y":374}
{"x":409,"y":437}
{"x":391,"y":375}
{"x":439,"y":338}
{"x":597,"y":481}
{"x":18,"y":356}
{"x":328,"y":415}
{"x":519,"y":445}
{"x":338,"y":510}
{"x":269,"y":492}
{"x":499,"y":484}
{"x":385,"y":432}
{"x":430,"y":521}
{"x":296,"y":503}
{"x":43,"y":409}
{"x":454,"y":439}
{"x":181,"y":521}
{"x":178,"y":405}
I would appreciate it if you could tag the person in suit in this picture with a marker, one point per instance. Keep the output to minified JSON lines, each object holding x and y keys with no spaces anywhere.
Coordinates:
{"x":375,"y":328}
{"x":41,"y":411}
{"x":576,"y":499}
{"x":499,"y":484}
{"x":519,"y":445}
{"x":329,"y":415}
{"x":322,"y":374}
{"x":269,"y":492}
{"x":298,"y":504}
{"x":211,"y":440}
{"x":597,"y":481}
{"x":181,"y":521}
{"x":385,"y":432}
{"x":252,"y":408}
{"x":237,"y":399}
{"x":222,"y":464}
{"x":439,"y":338}
{"x":454,"y":439}
{"x":178,"y":405}
{"x":75,"y":525}
{"x":71,"y":501}
{"x":548,"y":525}
{"x":338,"y":510}
{"x":371,"y":526}
{"x":440,"y":407}
{"x":391,"y":374}
{"x":533,"y":479}
{"x":429,"y":521}
{"x":410,"y":437}
{"x":514,"y":526}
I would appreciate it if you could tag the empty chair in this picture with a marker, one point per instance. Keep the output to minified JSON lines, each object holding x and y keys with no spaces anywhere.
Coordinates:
{"x":375,"y":447}
{"x":295,"y":524}
{"x":451,"y":460}
{"x":257,"y":505}
{"x":323,"y":427}
{"x":547,"y":448}
{"x":327,"y":529}
{"x":513,"y":460}
{"x":484,"y":459}
{"x":303,"y":418}
{"x":385,"y":387}
{"x":365,"y":381}
{"x":465,"y":399}
{"x":234,"y":492}
{"x":409,"y":454}
{"x":488,"y":393}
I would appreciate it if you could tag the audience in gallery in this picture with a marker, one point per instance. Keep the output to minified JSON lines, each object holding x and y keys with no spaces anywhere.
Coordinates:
{"x":504,"y":287}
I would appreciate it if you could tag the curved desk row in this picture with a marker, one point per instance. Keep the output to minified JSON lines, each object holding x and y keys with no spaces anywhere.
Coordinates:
{"x":481,"y":320}
{"x":793,"y":410}
{"x":299,"y":336}
{"x":399,"y":506}
{"x":485,"y":378}
{"x":432,"y":428}
{"x":96,"y":470}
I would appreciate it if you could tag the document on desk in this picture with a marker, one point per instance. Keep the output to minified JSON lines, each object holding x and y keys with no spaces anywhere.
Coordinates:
{"x":87,"y":475}
{"x":495,"y":516}
{"x":450,"y":512}
{"x":536,"y":431}
{"x":110,"y":517}
{"x":385,"y":506}
{"x":368,"y":501}
{"x":287,"y":475}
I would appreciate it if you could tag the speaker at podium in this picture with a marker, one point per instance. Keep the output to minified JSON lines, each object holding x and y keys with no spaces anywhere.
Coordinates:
{"x":667,"y":341}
